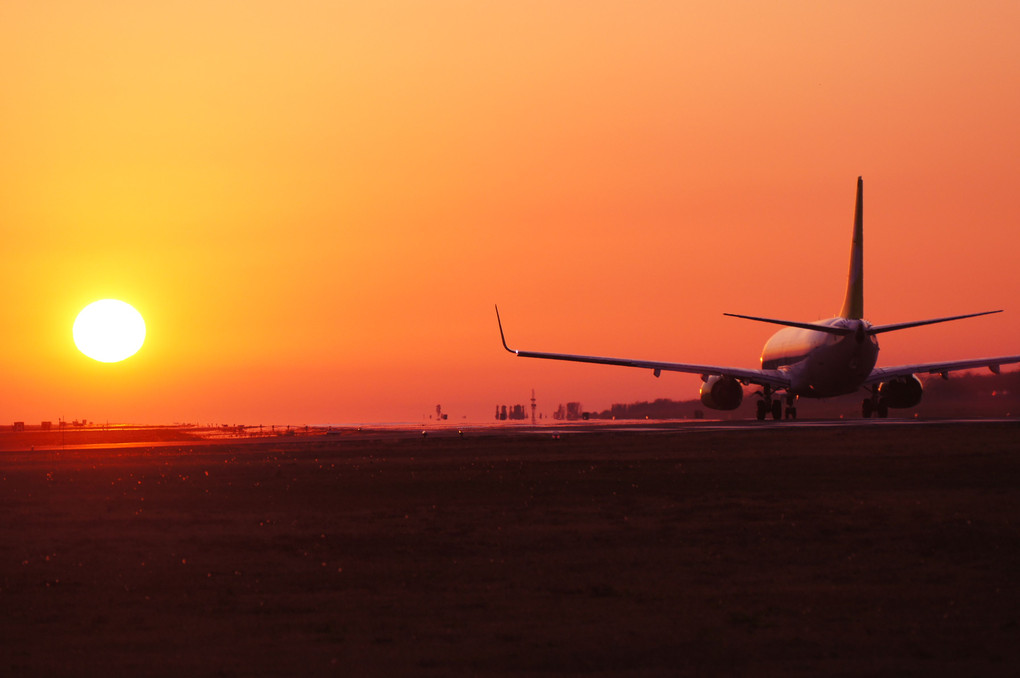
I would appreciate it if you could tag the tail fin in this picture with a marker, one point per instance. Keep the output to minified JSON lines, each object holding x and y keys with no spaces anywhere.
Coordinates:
{"x":853,"y":304}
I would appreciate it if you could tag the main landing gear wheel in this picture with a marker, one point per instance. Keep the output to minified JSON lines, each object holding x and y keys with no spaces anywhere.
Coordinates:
{"x":768,"y":405}
{"x":791,"y":408}
{"x":879,"y":407}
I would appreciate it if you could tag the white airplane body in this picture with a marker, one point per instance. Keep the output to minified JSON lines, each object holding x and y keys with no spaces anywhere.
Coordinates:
{"x":819,"y":359}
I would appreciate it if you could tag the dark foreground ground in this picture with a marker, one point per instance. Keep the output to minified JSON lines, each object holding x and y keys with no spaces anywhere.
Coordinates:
{"x":768,"y":551}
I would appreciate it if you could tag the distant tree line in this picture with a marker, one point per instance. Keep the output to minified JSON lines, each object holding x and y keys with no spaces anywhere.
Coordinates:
{"x":662,"y":408}
{"x":570,"y":412}
{"x":980,"y":394}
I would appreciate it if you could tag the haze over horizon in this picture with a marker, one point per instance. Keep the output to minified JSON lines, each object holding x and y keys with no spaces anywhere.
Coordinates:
{"x":315,"y":206}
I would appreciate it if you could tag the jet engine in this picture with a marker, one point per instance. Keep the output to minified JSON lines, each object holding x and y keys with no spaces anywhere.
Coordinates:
{"x":901,"y":392}
{"x":721,"y":393}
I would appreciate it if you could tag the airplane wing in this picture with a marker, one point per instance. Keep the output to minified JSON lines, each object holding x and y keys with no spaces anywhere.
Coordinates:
{"x":774,"y":378}
{"x":886,"y":373}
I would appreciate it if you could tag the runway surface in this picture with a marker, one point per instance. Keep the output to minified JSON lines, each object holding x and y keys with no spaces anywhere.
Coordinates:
{"x":142,"y":437}
{"x":769,"y":549}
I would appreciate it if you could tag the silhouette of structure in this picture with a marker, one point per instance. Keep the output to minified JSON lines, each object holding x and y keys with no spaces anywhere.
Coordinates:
{"x":514,"y":413}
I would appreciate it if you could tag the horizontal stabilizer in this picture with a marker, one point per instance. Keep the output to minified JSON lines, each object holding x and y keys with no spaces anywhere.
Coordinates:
{"x":842,"y":331}
{"x":878,"y":329}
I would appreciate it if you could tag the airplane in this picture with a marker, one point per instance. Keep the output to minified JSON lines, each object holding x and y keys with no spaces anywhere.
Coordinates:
{"x":818,"y":359}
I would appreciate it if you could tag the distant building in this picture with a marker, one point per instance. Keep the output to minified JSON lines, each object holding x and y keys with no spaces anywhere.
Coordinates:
{"x":19,"y":426}
{"x":570,"y":411}
{"x":46,"y":425}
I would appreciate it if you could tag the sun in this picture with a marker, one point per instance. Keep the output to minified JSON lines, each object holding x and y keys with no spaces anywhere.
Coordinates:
{"x":109,"y":330}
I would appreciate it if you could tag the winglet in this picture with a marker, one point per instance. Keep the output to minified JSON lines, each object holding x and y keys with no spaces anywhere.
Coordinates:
{"x":501,"y":335}
{"x":853,"y":303}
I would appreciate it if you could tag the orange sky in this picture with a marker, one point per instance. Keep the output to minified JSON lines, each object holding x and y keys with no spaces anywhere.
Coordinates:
{"x":315,"y":204}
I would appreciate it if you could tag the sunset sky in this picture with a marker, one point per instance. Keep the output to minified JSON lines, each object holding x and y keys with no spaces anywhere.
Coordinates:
{"x":315,"y":205}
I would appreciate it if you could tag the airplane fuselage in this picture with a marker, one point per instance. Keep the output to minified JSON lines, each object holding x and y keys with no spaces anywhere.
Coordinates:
{"x":821,"y":365}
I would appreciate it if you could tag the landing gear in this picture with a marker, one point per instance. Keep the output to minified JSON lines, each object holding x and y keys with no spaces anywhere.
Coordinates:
{"x":791,"y":407}
{"x":769,"y":405}
{"x":875,"y":405}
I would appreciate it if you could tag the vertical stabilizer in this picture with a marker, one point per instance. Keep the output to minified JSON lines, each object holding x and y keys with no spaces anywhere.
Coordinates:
{"x":853,"y":304}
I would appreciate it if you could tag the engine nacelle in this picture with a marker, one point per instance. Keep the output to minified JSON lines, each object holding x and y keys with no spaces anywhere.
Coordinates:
{"x":721,"y":393}
{"x":902,"y":392}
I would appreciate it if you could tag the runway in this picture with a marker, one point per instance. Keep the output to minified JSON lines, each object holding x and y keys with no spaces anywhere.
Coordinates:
{"x":693,"y":426}
{"x":623,"y":549}
{"x":156,"y":436}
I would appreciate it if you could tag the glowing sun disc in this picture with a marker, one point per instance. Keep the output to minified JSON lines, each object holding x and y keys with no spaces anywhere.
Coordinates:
{"x":109,"y":330}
